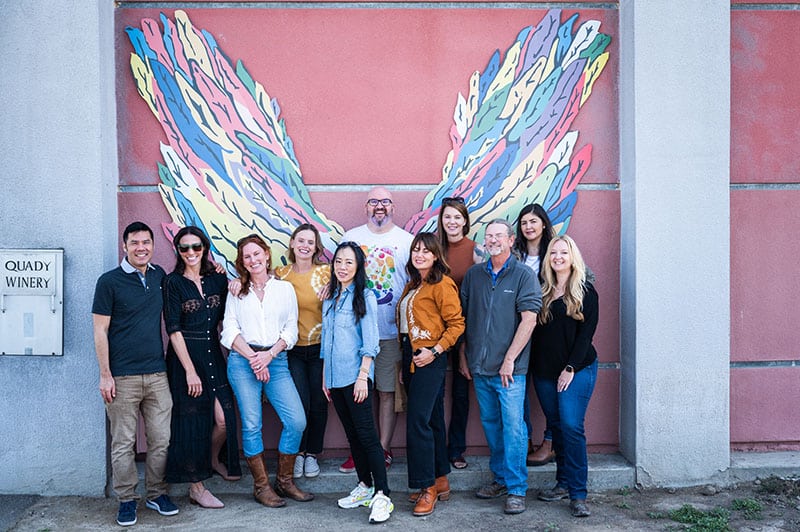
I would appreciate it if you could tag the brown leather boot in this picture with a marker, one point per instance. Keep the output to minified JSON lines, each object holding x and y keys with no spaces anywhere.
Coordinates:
{"x":544,"y":454}
{"x":442,"y":490}
{"x":262,"y":491}
{"x":426,"y":501}
{"x":284,"y":481}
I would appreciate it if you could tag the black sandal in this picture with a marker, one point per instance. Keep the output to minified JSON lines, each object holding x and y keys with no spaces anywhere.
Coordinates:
{"x":459,"y":462}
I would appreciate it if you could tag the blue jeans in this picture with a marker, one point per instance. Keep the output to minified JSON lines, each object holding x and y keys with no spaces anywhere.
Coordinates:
{"x":548,"y":431}
{"x":282,"y":396}
{"x":566,"y":411}
{"x":501,"y":417}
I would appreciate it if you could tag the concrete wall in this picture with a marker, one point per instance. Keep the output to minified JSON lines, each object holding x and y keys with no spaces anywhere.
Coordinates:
{"x":59,"y":176}
{"x":674,"y":151}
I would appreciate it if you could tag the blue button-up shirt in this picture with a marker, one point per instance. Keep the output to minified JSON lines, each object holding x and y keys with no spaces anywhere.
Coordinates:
{"x":345,"y":342}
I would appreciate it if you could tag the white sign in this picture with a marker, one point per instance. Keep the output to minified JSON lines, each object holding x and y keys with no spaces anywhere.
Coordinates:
{"x":31,"y":301}
{"x":24,"y":272}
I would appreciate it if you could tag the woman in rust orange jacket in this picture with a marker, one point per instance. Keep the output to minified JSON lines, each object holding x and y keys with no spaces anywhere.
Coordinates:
{"x":430,"y":323}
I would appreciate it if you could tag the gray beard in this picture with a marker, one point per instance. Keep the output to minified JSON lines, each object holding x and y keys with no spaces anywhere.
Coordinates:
{"x":386,"y":219}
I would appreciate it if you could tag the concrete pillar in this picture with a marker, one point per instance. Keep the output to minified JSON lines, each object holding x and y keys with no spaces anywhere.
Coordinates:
{"x":59,"y":176}
{"x":675,"y":305}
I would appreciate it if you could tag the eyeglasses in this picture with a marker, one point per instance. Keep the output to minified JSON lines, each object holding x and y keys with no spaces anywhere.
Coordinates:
{"x":183,"y":248}
{"x":374,"y":202}
{"x":453,"y":199}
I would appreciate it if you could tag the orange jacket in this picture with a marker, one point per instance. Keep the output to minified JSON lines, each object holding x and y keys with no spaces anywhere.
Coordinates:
{"x":434,"y":315}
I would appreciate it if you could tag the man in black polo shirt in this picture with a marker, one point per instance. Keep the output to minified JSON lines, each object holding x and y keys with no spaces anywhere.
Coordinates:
{"x":130,"y":352}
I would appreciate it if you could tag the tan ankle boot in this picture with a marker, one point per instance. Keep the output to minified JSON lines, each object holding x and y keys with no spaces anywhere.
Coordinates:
{"x":261,"y":488}
{"x":543,"y":455}
{"x":284,"y":481}
{"x":442,"y":490}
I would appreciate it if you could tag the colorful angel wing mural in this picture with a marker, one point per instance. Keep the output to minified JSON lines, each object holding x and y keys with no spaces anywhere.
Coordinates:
{"x":229,"y":167}
{"x":511,"y":140}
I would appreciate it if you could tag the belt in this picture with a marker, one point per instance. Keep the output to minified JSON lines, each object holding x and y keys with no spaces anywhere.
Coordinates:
{"x":256,"y":347}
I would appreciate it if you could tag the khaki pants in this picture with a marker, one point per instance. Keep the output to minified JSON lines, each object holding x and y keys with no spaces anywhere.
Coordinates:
{"x":150,"y":395}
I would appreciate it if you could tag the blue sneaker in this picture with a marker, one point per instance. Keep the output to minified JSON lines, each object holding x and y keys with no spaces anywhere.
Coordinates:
{"x":126,"y":516}
{"x":162,"y":505}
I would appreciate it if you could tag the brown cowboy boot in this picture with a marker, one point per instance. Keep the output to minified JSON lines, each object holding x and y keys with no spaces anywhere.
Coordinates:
{"x":442,"y":490}
{"x":284,"y":481}
{"x":261,"y":488}
{"x":544,"y":454}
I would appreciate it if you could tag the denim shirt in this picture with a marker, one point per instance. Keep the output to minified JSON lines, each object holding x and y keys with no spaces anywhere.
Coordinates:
{"x":344,"y":341}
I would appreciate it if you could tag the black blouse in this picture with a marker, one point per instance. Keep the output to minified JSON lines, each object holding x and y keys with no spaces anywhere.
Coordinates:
{"x":563,"y":340}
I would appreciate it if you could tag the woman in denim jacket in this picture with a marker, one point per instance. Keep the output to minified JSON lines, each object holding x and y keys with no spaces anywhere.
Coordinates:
{"x":349,"y":347}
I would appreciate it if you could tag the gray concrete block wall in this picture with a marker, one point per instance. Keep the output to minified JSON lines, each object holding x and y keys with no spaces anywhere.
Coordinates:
{"x":58,"y":148}
{"x":675,"y":263}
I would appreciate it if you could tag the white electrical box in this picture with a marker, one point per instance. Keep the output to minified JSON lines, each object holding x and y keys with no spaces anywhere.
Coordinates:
{"x":31,"y":301}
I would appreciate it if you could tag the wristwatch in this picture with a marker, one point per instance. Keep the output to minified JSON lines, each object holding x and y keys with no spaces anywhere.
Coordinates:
{"x":435,"y":352}
{"x":569,"y":369}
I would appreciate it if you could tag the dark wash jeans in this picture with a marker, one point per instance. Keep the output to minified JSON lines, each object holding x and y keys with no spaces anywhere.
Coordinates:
{"x":566,"y":411}
{"x":359,"y":427}
{"x":426,"y":439}
{"x":305,"y":365}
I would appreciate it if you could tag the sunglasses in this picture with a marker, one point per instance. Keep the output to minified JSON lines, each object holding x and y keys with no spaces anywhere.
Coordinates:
{"x":454,"y":199}
{"x":374,"y":202}
{"x":183,"y":248}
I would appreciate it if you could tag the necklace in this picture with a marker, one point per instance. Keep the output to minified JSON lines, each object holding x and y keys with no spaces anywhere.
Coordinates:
{"x":258,"y":287}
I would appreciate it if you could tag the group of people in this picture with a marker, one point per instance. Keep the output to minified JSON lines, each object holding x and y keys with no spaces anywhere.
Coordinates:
{"x":382,"y":320}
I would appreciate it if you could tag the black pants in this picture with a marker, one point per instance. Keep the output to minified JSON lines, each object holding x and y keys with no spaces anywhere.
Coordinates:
{"x":459,"y":410}
{"x":305,"y":365}
{"x":426,"y":439}
{"x":365,"y":446}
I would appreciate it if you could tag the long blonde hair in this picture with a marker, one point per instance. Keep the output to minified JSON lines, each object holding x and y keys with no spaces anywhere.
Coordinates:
{"x":573,"y":292}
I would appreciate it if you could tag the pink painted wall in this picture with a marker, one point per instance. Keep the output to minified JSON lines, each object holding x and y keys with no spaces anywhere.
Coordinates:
{"x":368,"y":97}
{"x":765,"y":222}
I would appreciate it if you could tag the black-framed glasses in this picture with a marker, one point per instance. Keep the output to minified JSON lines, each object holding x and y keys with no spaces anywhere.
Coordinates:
{"x":453,"y":199}
{"x":374,"y":202}
{"x":183,"y":248}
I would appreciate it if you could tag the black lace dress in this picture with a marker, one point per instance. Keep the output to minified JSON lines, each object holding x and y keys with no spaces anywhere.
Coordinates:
{"x":197,"y":318}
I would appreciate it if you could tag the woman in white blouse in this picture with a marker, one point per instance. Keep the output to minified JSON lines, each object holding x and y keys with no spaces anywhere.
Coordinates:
{"x":260,"y":325}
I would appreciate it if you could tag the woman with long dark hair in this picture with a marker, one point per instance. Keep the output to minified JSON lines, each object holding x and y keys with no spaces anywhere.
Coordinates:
{"x":203,"y":416}
{"x":534,"y":233}
{"x":308,"y":275}
{"x":260,"y":325}
{"x":429,"y":323}
{"x":460,"y":252}
{"x":565,"y":366}
{"x":349,"y":346}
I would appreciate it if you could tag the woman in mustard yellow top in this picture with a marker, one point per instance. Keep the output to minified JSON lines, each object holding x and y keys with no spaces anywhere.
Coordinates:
{"x":430,"y":323}
{"x":308,"y":275}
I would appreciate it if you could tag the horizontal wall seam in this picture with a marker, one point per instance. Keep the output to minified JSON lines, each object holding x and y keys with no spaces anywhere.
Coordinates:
{"x":765,"y":186}
{"x":766,"y":364}
{"x":765,"y":7}
{"x":365,"y":188}
{"x":367,"y":5}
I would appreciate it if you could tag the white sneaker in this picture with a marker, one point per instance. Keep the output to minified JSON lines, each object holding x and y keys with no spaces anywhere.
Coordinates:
{"x":311,"y":466}
{"x":360,"y":496}
{"x":381,"y":508}
{"x":299,"y":460}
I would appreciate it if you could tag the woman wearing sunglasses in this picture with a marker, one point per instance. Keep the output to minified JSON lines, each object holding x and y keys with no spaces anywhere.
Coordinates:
{"x":203,"y":417}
